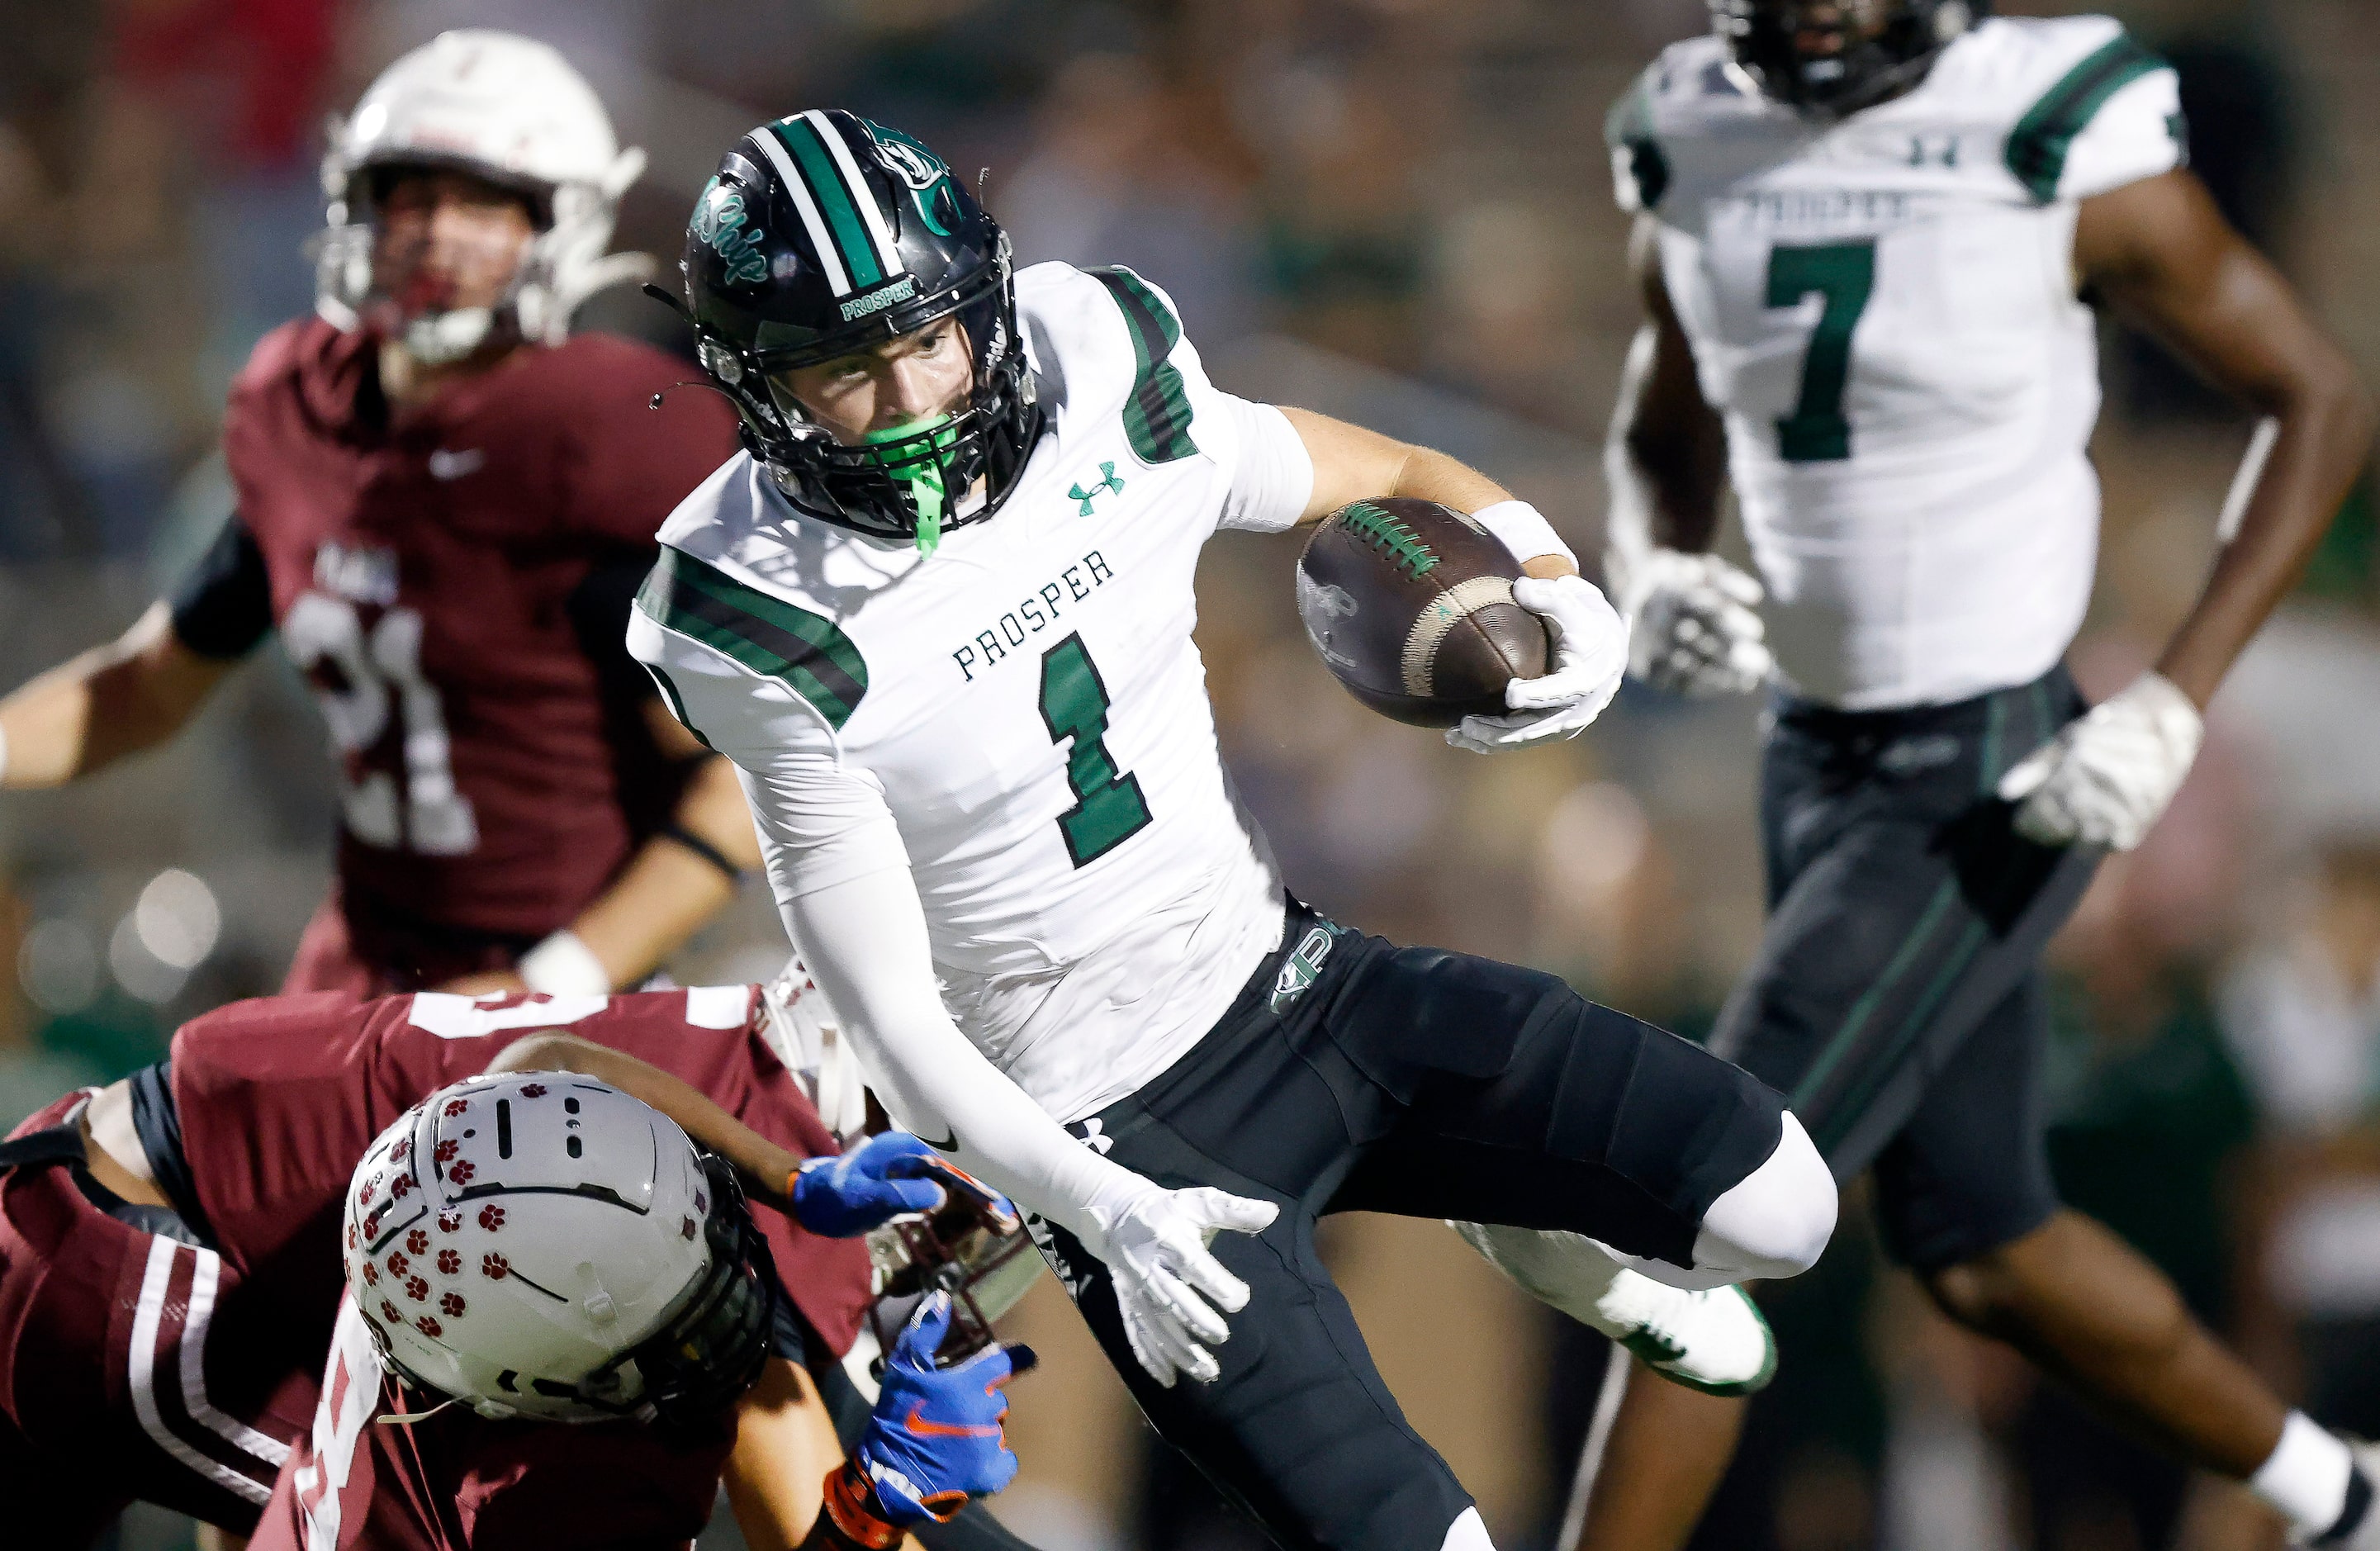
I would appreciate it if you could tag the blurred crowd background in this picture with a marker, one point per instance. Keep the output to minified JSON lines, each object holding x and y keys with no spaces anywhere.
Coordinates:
{"x":1395,"y":210}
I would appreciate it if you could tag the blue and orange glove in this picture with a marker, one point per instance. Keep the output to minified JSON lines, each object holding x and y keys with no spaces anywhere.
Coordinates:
{"x":935,"y":1439}
{"x":881,"y":1179}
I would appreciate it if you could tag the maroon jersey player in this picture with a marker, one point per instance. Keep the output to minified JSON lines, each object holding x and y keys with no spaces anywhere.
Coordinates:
{"x":445,"y":504}
{"x":169,"y":1253}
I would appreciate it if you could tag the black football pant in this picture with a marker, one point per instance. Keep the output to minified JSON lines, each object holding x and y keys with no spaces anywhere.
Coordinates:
{"x":1351,"y":1075}
{"x":1896,"y":998}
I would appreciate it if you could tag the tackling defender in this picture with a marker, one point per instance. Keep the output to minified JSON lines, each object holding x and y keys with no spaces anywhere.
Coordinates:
{"x":940,"y":617}
{"x":169,"y":1244}
{"x":444,"y":503}
{"x":589,"y":1355}
{"x":1871,"y":234}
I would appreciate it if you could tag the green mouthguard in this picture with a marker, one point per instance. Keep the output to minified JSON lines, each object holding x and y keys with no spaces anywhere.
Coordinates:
{"x":922,"y":474}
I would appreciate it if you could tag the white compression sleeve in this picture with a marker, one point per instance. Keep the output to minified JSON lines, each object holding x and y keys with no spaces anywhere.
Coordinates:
{"x":1776,"y":1221}
{"x":865,"y":941}
{"x":1773,"y":1222}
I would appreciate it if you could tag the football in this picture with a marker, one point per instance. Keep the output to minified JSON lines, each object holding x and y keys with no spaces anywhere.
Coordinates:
{"x":1410,"y":604}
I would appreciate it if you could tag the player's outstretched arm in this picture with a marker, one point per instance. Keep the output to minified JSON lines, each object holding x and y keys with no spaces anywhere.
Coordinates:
{"x":834,"y":1197}
{"x":2159,"y":251}
{"x":85,"y":714}
{"x":767,"y":1169}
{"x":866,"y":943}
{"x":1692,"y":626}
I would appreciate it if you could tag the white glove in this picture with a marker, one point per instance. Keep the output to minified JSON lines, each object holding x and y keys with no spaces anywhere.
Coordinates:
{"x":1590,"y":658}
{"x":1692,"y":628}
{"x":1155,"y":1246}
{"x":2104,"y":778}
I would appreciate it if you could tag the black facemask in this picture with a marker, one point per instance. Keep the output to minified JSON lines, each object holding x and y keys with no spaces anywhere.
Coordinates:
{"x":1765,"y":38}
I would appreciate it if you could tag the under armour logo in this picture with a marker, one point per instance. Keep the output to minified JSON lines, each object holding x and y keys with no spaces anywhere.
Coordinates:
{"x":1106,"y":481}
{"x":1941,"y":151}
{"x":1096,"y":1137}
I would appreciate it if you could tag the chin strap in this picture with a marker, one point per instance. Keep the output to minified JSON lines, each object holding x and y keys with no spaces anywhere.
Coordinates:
{"x":407,"y":1418}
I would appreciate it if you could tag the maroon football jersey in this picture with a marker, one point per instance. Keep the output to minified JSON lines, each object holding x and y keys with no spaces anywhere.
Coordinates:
{"x":279,"y":1098}
{"x":125,"y":1371}
{"x":425,"y":571}
{"x":457,"y":1482}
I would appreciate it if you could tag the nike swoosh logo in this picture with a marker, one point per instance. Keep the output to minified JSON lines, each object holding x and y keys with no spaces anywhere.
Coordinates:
{"x":444,"y":464}
{"x":949,"y":1144}
{"x":917,"y":1424}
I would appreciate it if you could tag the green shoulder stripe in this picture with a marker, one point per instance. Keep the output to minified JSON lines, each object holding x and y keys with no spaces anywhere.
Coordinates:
{"x":2037,"y":146}
{"x":766,"y":635}
{"x":1156,"y":417}
{"x":1628,"y":130}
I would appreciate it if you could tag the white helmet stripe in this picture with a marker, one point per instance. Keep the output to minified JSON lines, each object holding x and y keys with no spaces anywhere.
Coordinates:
{"x":888,"y":255}
{"x":812,"y":221}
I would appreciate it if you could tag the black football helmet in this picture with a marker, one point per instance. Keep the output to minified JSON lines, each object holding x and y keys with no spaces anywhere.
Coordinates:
{"x":822,"y":233}
{"x":1880,"y":48}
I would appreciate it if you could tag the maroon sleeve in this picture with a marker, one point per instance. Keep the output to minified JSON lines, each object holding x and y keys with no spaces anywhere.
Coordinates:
{"x":278,"y":1099}
{"x":631,"y":463}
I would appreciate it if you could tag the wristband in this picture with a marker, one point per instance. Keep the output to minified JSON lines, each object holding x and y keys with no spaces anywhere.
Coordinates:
{"x":1524,"y":531}
{"x":563,"y":966}
{"x":851,"y":1506}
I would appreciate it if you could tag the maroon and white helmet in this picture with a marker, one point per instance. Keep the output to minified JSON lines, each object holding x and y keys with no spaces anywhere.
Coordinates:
{"x":541,"y":1245}
{"x":507,"y":109}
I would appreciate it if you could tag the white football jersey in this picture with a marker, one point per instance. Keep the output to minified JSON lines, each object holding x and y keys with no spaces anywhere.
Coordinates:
{"x":1026,"y":701}
{"x":1882,"y":310}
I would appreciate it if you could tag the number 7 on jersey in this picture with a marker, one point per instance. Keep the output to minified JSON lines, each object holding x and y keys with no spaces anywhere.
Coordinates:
{"x":1844,"y":274}
{"x":1108,"y":808}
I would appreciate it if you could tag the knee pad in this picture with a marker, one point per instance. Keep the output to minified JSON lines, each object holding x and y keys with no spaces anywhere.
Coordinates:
{"x":1776,"y":1221}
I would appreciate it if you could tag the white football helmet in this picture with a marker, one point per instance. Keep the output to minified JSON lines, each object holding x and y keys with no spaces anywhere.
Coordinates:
{"x":502,"y":107}
{"x":539,"y":1244}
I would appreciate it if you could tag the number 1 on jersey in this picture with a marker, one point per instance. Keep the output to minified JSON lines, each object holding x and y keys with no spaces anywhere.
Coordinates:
{"x":1108,"y":808}
{"x":1843,"y":273}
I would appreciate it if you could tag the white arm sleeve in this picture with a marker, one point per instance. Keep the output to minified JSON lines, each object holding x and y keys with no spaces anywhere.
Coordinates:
{"x":866,"y":944}
{"x":841,"y":874}
{"x":1274,"y":477}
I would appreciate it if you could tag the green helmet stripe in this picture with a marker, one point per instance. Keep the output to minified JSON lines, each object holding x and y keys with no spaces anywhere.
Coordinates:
{"x":834,"y":203}
{"x":879,"y":236}
{"x":770,"y":142}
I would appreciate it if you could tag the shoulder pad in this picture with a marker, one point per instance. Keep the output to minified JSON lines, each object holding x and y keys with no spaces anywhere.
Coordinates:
{"x":2068,"y":69}
{"x":1104,"y":341}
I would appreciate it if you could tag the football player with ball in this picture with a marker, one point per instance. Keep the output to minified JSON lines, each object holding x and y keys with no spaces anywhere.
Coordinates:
{"x":940,"y":617}
{"x":1871,"y":236}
